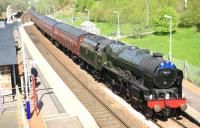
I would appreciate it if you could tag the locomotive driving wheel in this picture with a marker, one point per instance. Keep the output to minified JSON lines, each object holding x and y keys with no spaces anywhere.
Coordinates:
{"x":148,"y":112}
{"x":108,"y":82}
{"x":117,"y":87}
{"x":127,"y":96}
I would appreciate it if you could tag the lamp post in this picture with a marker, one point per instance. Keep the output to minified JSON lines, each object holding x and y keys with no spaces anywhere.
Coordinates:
{"x":118,"y":28}
{"x":88,"y":14}
{"x":54,"y":11}
{"x":170,"y":29}
{"x":26,"y":86}
{"x":8,"y":11}
{"x":45,"y":10}
{"x":185,"y":4}
{"x":74,"y":4}
{"x":61,"y":14}
{"x":147,"y":13}
{"x":25,"y":72}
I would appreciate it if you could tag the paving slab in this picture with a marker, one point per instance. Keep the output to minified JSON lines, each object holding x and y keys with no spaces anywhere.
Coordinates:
{"x":8,"y":119}
{"x":64,"y":122}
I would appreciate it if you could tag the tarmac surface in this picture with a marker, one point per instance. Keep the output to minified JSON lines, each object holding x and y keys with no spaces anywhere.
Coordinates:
{"x":8,"y":118}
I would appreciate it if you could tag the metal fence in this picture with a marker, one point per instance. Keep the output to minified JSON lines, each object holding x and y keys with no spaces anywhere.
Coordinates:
{"x":20,"y":112}
{"x":191,"y":72}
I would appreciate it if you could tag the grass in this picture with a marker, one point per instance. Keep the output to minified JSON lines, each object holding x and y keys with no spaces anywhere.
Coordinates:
{"x":185,"y":44}
{"x":109,"y":29}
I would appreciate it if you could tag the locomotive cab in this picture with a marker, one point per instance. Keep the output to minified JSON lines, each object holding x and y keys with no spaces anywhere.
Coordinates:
{"x":92,"y":51}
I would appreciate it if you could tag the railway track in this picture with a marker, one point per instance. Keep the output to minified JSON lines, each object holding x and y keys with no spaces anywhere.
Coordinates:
{"x":103,"y":115}
{"x":182,"y":122}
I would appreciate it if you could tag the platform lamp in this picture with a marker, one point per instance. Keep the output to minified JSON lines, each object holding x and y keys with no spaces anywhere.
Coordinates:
{"x":73,"y":12}
{"x":25,"y":72}
{"x":147,"y":25}
{"x":170,"y":29}
{"x":88,"y":14}
{"x":118,"y":28}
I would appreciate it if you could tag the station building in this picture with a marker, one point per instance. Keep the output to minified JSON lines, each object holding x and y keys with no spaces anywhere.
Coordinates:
{"x":8,"y":59}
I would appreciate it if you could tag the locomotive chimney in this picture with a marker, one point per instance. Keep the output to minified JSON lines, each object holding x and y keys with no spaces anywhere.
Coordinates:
{"x":157,"y":55}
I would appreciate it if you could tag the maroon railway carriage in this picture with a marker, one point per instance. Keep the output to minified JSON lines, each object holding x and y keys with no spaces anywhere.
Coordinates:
{"x":69,"y":37}
{"x":65,"y":35}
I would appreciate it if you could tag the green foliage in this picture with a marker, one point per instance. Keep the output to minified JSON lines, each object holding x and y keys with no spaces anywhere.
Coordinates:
{"x":161,"y":23}
{"x":4,"y":4}
{"x":63,"y":2}
{"x":81,"y":5}
{"x":191,"y":16}
{"x":18,"y":5}
{"x":131,"y":12}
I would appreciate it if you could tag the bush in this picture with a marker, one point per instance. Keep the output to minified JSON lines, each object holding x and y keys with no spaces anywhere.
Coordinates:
{"x":162,"y":24}
{"x":186,"y":20}
{"x":81,"y":5}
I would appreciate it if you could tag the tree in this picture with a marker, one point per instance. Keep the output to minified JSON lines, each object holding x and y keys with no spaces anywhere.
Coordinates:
{"x":191,"y":17}
{"x":19,"y":5}
{"x":15,"y":4}
{"x":162,"y":24}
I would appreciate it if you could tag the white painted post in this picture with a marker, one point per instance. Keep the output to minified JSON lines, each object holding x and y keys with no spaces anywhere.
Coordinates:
{"x":8,"y":11}
{"x":170,"y":29}
{"x":185,"y":4}
{"x":170,"y":50}
{"x":118,"y":27}
{"x":25,"y":76}
{"x":88,"y":14}
{"x":147,"y":13}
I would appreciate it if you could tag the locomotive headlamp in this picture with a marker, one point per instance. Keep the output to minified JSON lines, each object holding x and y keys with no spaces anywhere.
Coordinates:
{"x":183,"y":107}
{"x":151,"y":97}
{"x":166,"y":95}
{"x":166,"y":72}
{"x":157,"y":108}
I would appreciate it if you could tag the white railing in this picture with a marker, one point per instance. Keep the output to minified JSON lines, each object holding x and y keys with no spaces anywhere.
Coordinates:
{"x":20,"y":112}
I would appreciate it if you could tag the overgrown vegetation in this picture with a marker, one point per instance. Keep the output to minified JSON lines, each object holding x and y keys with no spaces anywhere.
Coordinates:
{"x":161,"y":23}
{"x":132,"y":12}
{"x":19,"y":5}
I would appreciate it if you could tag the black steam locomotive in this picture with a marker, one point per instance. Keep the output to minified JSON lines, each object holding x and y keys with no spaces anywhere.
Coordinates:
{"x":145,"y":80}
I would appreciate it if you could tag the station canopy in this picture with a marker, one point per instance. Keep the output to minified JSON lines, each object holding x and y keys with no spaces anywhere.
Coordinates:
{"x":7,"y":46}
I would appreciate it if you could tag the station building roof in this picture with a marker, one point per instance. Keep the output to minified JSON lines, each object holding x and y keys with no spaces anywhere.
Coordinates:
{"x":7,"y":46}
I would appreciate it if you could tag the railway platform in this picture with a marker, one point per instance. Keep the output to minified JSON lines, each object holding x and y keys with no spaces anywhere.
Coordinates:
{"x":192,"y":94}
{"x":51,"y":113}
{"x":57,"y":104}
{"x":8,"y":59}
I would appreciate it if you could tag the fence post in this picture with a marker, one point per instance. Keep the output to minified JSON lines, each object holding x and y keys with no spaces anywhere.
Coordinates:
{"x":186,"y":72}
{"x":20,"y":113}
